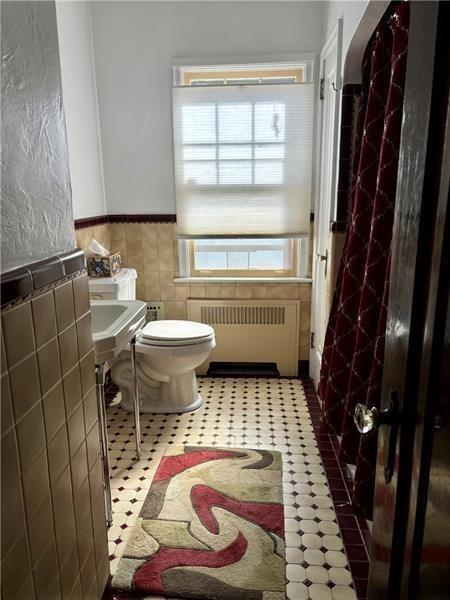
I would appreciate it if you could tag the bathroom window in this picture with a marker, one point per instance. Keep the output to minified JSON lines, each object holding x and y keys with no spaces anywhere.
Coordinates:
{"x":243,"y":167}
{"x":234,"y":258}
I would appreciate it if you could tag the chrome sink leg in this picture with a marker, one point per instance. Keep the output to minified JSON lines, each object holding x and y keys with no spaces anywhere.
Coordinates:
{"x":137,"y":422}
{"x":101,"y":406}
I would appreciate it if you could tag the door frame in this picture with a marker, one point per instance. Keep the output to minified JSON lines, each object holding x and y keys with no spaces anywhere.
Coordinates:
{"x":334,"y":43}
{"x":415,"y":299}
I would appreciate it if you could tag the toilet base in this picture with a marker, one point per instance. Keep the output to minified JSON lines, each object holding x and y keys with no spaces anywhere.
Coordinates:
{"x":160,"y":407}
{"x":178,"y":395}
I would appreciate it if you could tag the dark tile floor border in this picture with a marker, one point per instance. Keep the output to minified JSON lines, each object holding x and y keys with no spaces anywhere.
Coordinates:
{"x":355,"y":533}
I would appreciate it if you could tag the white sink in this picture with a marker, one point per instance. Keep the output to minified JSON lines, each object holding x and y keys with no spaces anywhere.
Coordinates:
{"x":114,"y":323}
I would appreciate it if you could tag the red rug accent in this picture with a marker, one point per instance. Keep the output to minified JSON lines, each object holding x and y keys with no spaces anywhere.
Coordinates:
{"x":149,"y":576}
{"x":267,"y":516}
{"x":173,"y":465}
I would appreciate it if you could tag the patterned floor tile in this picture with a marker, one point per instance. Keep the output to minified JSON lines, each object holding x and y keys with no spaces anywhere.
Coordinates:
{"x":244,"y":412}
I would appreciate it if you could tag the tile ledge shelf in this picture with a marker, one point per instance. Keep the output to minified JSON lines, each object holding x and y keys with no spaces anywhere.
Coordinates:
{"x":21,"y":282}
{"x":307,"y":280}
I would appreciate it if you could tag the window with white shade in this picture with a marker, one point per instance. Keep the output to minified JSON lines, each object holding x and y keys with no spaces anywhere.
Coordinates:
{"x":243,"y":168}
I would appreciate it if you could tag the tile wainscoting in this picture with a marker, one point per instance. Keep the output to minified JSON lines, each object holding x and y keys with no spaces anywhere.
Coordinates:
{"x":152,"y":249}
{"x":53,"y":526}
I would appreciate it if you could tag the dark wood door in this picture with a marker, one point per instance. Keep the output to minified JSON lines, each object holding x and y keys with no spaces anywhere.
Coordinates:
{"x":406,"y":482}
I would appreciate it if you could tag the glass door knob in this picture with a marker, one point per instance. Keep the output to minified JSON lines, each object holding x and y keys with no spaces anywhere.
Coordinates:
{"x":366,"y":419}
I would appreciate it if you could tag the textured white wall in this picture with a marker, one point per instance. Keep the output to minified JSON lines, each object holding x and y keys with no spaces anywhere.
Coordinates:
{"x":36,"y":219}
{"x":134,"y":43}
{"x":80,"y":106}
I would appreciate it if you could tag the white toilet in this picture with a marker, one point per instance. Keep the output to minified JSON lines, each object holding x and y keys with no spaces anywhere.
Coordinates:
{"x":167,"y":353}
{"x":173,"y":350}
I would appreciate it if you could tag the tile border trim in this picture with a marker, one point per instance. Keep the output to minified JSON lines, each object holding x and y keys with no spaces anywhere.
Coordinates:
{"x":124,"y":218}
{"x":354,"y":530}
{"x":138,"y":218}
{"x":25,"y":281}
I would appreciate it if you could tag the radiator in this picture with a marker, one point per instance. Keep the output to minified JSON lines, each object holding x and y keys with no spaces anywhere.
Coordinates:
{"x":251,"y":331}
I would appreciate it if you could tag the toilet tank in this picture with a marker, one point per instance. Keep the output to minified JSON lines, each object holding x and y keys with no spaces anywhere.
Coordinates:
{"x":121,"y":286}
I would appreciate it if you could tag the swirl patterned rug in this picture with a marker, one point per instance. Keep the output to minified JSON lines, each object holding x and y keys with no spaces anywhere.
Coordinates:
{"x":211,"y":527}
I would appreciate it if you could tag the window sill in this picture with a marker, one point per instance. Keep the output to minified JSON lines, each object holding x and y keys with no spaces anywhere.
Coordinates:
{"x":243,"y":280}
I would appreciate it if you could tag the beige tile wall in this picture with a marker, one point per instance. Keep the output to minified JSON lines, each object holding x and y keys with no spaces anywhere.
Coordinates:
{"x":152,"y":249}
{"x":53,"y":527}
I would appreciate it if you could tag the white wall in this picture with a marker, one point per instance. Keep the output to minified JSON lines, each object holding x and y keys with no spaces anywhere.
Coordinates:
{"x":80,"y":105}
{"x":134,"y":43}
{"x":351,"y":11}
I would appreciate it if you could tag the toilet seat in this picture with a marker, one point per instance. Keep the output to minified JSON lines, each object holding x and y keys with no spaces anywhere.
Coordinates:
{"x":175,"y":333}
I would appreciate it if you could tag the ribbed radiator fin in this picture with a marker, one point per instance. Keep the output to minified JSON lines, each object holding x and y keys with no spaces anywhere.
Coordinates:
{"x":243,"y":315}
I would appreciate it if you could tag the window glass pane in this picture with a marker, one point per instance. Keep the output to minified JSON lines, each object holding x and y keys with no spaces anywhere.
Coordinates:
{"x":200,"y":173}
{"x":234,"y":172}
{"x":269,"y":151}
{"x":267,"y":260}
{"x":238,"y":260}
{"x":199,"y":123}
{"x":229,"y":152}
{"x":269,"y":122}
{"x":199,"y":152}
{"x":208,"y":261}
{"x":244,"y":254}
{"x":269,"y":172}
{"x":235,"y":122}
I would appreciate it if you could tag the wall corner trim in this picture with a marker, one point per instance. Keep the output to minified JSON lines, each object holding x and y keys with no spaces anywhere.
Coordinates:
{"x":20,"y":283}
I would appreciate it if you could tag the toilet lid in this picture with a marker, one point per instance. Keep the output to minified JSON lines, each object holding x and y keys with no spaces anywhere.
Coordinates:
{"x":175,"y":332}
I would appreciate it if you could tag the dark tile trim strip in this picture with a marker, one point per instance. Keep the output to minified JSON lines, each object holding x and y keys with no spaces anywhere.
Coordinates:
{"x":15,"y":285}
{"x":141,"y":218}
{"x":45,"y":272}
{"x":22,"y":282}
{"x":90,"y":222}
{"x":73,"y":261}
{"x":355,"y":533}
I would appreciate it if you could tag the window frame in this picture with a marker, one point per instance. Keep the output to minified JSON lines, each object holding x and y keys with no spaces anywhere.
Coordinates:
{"x":301,"y":256}
{"x":306,"y":61}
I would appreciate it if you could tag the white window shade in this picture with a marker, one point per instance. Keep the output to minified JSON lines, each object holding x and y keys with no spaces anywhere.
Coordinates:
{"x":243,"y":160}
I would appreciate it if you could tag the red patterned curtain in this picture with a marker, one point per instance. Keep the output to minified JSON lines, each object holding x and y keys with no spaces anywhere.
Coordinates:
{"x":352,"y":362}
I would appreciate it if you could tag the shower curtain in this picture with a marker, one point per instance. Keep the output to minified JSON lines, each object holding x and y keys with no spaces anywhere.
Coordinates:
{"x":352,"y":361}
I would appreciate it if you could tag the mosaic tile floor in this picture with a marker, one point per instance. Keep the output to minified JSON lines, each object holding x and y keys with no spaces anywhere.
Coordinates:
{"x":260,"y":413}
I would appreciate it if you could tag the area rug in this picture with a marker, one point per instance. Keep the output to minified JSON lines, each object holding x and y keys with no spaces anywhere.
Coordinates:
{"x":211,"y":527}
